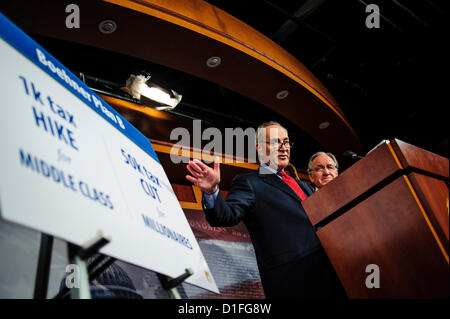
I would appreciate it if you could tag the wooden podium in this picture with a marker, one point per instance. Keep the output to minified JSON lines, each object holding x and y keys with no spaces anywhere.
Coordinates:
{"x":390,"y":209}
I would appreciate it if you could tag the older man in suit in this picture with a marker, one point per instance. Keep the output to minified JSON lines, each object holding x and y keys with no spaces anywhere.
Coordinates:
{"x":322,"y":169}
{"x":291,"y":260}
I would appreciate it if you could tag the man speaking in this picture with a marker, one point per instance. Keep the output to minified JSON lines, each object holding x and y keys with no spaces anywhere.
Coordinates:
{"x":291,"y":260}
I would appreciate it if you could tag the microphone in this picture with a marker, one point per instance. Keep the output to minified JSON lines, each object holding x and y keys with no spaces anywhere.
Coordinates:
{"x":352,"y":155}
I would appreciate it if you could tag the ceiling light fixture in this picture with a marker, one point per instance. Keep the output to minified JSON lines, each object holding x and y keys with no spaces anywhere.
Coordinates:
{"x":213,"y":61}
{"x":282,"y":94}
{"x":107,"y":26}
{"x":151,"y":94}
{"x":324,"y":125}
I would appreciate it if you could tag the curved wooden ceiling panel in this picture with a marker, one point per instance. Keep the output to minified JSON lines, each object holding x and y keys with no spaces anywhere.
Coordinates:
{"x":184,"y":34}
{"x":208,"y":20}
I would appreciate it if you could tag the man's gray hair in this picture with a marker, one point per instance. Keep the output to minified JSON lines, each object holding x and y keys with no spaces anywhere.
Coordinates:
{"x":318,"y":154}
{"x":260,"y":130}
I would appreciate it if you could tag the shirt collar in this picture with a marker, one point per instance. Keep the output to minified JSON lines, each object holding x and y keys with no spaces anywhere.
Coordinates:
{"x":269,"y":168}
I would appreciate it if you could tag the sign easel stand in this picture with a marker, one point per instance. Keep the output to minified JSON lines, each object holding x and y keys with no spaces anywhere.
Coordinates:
{"x":77,"y":256}
{"x":43,"y":269}
{"x":170,"y":284}
{"x":87,"y":273}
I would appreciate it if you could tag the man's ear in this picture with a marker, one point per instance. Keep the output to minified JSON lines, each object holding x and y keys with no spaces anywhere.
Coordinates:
{"x":260,"y":151}
{"x":257,"y":148}
{"x":310,"y":178}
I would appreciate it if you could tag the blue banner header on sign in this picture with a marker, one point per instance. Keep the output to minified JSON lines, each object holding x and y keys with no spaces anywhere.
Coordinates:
{"x":44,"y":60}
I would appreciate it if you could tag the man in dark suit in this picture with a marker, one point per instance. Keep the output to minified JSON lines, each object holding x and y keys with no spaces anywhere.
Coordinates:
{"x":291,"y":260}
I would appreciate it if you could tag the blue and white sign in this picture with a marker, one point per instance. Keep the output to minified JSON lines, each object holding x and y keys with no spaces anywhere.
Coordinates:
{"x":71,"y":166}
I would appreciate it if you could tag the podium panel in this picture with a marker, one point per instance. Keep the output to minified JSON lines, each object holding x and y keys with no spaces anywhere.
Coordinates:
{"x":385,"y":221}
{"x":348,"y":186}
{"x":389,"y":230}
{"x":433,"y":195}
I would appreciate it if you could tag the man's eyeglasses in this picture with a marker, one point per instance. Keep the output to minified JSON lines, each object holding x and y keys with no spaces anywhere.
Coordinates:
{"x":278,"y":144}
{"x":321,"y":168}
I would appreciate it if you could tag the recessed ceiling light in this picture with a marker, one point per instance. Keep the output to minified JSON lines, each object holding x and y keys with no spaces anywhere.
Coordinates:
{"x":324,"y":125}
{"x":282,"y":94}
{"x":107,"y":26}
{"x":213,"y":61}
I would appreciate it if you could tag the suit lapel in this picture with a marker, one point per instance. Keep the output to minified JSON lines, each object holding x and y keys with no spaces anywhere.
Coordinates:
{"x":270,"y":178}
{"x":306,"y":189}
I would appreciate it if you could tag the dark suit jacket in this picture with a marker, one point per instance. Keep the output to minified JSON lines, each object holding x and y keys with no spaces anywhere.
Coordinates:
{"x":288,"y":251}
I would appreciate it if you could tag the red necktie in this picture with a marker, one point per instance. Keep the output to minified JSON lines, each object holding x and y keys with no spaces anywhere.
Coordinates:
{"x":293,"y":184}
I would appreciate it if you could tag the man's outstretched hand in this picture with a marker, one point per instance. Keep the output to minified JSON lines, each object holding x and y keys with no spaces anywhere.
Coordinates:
{"x":203,"y":176}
